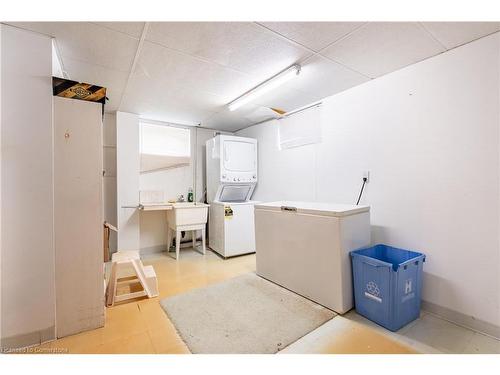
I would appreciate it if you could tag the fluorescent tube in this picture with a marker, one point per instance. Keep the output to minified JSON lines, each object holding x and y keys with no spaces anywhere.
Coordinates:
{"x":265,"y":87}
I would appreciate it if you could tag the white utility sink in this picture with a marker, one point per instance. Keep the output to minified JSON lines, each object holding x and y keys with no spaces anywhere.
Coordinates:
{"x":187,"y":213}
{"x":187,"y":216}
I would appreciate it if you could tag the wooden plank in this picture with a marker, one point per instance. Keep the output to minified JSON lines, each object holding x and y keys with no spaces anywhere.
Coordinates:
{"x":127,"y":296}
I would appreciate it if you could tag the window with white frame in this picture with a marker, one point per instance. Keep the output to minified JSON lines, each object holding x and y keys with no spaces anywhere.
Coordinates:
{"x":164,"y":147}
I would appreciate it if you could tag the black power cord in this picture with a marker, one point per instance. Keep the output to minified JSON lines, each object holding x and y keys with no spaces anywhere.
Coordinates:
{"x":362,"y":187}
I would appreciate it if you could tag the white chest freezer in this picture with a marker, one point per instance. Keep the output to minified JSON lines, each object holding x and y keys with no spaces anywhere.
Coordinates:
{"x":305,"y":246}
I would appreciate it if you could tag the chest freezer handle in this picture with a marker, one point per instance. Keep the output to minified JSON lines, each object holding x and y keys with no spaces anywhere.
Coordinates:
{"x":289,"y":208}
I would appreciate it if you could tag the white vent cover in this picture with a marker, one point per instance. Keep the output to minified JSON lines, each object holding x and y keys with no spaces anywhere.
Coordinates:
{"x":301,"y":128}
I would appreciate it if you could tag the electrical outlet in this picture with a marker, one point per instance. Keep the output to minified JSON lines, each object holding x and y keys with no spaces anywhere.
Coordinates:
{"x":366,"y":174}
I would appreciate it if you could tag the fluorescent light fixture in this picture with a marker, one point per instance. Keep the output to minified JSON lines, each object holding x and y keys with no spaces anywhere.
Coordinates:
{"x":265,"y":87}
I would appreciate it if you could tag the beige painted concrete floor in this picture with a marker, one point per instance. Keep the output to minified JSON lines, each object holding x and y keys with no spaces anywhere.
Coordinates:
{"x":141,"y":326}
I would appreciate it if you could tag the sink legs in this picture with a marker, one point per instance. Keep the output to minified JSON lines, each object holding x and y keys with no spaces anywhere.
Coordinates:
{"x":178,"y":237}
{"x":203,"y":240}
{"x":203,"y":247}
{"x":169,"y":239}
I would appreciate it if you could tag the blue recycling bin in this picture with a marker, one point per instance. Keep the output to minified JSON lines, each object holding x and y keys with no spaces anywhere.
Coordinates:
{"x":387,"y":284}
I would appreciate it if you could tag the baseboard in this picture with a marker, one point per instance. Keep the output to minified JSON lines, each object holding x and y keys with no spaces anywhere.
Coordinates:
{"x":461,"y":319}
{"x":162,"y":248}
{"x":152,"y":249}
{"x":18,"y":342}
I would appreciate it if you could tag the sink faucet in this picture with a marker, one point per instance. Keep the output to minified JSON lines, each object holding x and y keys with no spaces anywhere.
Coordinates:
{"x":181,"y":198}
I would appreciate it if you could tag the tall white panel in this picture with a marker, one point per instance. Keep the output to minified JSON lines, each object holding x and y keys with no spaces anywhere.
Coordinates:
{"x":27,"y":241}
{"x":127,"y":180}
{"x":78,"y":215}
{"x":109,"y":180}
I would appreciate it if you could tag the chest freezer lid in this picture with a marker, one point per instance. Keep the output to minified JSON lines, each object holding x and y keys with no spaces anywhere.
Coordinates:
{"x":315,"y":208}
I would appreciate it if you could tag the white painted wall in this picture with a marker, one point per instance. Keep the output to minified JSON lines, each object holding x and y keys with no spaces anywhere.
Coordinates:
{"x":1,"y":30}
{"x":109,"y":180}
{"x":173,"y":182}
{"x":429,"y":134}
{"x":152,"y":224}
{"x":27,"y":229}
{"x":127,"y":172}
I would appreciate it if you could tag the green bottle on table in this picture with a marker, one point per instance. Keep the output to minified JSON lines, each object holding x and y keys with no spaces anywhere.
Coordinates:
{"x":190,"y":195}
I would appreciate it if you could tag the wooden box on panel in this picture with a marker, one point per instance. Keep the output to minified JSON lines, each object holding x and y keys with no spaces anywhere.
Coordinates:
{"x":78,"y":215}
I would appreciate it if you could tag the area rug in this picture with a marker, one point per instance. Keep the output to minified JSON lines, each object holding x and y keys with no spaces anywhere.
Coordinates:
{"x":245,"y":314}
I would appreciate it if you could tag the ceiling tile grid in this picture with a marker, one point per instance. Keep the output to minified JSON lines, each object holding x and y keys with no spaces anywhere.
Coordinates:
{"x":188,"y":71}
{"x":170,"y":109}
{"x":233,"y":121}
{"x":168,"y":70}
{"x":241,"y":46}
{"x":92,"y":53}
{"x":133,"y":29}
{"x":113,"y":80}
{"x":454,"y":34}
{"x":314,"y":35}
{"x":90,"y":43}
{"x":383,"y":47}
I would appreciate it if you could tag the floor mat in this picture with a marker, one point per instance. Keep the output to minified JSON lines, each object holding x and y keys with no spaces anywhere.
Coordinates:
{"x":245,"y":314}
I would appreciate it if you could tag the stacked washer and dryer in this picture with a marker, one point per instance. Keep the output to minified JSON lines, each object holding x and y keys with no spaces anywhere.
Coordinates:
{"x":231,"y":165}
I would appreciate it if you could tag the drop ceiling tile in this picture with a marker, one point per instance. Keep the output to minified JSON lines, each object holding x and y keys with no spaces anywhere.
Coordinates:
{"x":314,"y":35}
{"x":113,"y":80}
{"x":324,"y":77}
{"x":454,"y":34}
{"x":165,"y":86}
{"x":47,"y":28}
{"x":286,"y":98}
{"x":319,"y":78}
{"x":90,"y":43}
{"x":169,"y":68}
{"x":133,"y":29}
{"x":172,"y":110}
{"x":172,"y":86}
{"x":230,"y":121}
{"x":151,"y":90}
{"x":382,"y":47}
{"x":242,"y":46}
